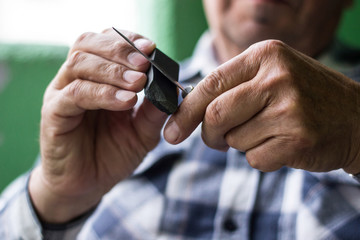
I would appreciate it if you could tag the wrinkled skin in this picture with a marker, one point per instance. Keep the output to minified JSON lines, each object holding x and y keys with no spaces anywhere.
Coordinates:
{"x":280,"y":107}
{"x":267,"y":99}
{"x":91,"y":137}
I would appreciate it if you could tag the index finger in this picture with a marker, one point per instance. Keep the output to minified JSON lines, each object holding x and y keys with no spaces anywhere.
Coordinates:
{"x":112,"y":47}
{"x":191,"y":112}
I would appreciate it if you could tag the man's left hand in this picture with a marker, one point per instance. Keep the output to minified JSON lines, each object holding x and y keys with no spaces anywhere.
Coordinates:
{"x":279,"y":106}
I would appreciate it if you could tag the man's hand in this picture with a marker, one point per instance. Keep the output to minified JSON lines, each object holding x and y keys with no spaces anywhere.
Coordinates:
{"x":91,"y":137}
{"x":280,"y":107}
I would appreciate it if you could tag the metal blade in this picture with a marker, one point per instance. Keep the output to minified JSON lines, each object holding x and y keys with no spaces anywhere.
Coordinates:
{"x":160,"y":68}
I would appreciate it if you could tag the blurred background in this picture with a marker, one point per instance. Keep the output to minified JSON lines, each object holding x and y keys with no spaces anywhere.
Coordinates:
{"x":35,"y":36}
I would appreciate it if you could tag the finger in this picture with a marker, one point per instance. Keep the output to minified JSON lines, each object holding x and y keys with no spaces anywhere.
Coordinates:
{"x":111,"y":46}
{"x":254,"y":132}
{"x":271,"y":155}
{"x":275,"y":137}
{"x":149,"y":121}
{"x":192,"y":110}
{"x":86,"y":66}
{"x":82,"y":95}
{"x":230,"y":110}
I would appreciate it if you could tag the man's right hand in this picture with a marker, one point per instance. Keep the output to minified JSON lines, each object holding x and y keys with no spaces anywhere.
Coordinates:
{"x":91,"y":137}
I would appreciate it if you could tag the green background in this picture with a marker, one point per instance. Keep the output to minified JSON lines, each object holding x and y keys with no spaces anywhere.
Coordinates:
{"x":27,"y":69}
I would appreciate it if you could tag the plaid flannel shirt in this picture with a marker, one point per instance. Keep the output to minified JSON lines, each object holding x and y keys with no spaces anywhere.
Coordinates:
{"x":190,"y":191}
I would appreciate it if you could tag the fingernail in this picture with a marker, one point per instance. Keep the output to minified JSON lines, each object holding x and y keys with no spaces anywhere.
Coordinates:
{"x":124,"y":96}
{"x":172,"y":132}
{"x":142,"y":43}
{"x":132,"y":76}
{"x":136,"y":59}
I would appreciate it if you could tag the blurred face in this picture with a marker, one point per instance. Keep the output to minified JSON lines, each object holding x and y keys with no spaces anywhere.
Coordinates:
{"x":307,"y":25}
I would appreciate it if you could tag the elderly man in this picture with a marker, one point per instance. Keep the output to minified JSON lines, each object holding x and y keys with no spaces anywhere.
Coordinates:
{"x":279,"y":135}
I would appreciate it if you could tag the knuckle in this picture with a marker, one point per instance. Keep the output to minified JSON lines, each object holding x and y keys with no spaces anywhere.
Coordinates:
{"x":214,"y":115}
{"x":288,"y":107}
{"x":75,"y":58}
{"x":119,"y":48}
{"x":269,"y":50}
{"x":107,"y":30}
{"x":213,"y":84}
{"x":83,"y":38}
{"x":273,"y":45}
{"x":279,"y":82}
{"x":74,"y":89}
{"x":301,"y":134}
{"x":103,"y":91}
{"x":114,"y":71}
{"x":283,"y":79}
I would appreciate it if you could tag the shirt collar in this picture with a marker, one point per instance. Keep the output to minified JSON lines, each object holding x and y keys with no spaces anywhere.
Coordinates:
{"x":202,"y":62}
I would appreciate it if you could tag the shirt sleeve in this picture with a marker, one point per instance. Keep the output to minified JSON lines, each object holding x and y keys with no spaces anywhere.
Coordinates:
{"x":338,"y":176}
{"x":18,"y":219}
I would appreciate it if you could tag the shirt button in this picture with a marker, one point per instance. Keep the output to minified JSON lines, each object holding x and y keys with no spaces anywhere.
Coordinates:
{"x":229,"y":225}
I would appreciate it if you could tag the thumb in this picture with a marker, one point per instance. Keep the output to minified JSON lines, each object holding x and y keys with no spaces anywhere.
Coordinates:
{"x":148,"y":121}
{"x":192,"y":110}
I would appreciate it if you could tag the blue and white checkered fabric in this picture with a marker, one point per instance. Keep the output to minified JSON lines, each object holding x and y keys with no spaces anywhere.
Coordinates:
{"x":190,"y":191}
